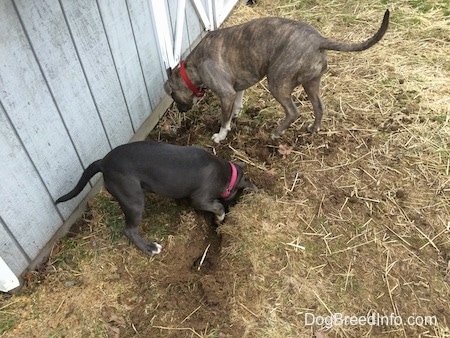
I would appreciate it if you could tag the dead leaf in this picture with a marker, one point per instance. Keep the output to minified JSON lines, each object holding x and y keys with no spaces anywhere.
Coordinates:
{"x":272,"y":172}
{"x":319,"y":334}
{"x":113,"y":318}
{"x":114,"y":332}
{"x":284,"y":149}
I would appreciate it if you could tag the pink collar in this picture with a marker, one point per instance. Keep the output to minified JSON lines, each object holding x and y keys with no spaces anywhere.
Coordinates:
{"x":199,"y":92}
{"x":232,"y":183}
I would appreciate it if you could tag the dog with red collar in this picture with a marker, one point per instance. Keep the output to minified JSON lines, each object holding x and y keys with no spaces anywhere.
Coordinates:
{"x":167,"y":170}
{"x":288,"y":53}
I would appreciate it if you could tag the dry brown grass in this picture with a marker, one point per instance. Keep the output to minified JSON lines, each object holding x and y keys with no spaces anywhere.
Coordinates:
{"x":354,"y":220}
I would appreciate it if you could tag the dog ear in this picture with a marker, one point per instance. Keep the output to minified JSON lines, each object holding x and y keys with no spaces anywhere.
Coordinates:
{"x":249,"y":186}
{"x":167,"y":88}
{"x":240,"y":163}
{"x":169,"y":72}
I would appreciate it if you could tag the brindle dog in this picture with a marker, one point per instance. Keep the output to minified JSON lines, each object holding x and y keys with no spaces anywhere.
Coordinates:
{"x":289,"y":53}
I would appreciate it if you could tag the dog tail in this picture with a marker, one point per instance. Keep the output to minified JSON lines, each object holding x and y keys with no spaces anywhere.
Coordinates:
{"x":90,"y":171}
{"x":357,"y":47}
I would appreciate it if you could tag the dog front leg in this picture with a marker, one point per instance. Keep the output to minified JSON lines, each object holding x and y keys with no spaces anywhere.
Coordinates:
{"x":150,"y":248}
{"x":214,"y":206}
{"x":237,"y":106}
{"x":132,"y":201}
{"x":227,"y":103}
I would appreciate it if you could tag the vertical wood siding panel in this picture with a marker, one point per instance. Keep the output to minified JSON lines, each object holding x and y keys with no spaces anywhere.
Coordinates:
{"x":121,"y":41}
{"x":49,"y":35}
{"x":173,"y":8}
{"x":223,"y":9}
{"x":87,"y":31}
{"x":193,"y":25}
{"x":186,"y":42}
{"x":26,"y":208}
{"x":31,"y":109}
{"x":148,"y":49}
{"x":10,"y":253}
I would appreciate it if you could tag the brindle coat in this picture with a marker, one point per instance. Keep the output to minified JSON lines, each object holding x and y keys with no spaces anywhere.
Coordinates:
{"x":289,"y":53}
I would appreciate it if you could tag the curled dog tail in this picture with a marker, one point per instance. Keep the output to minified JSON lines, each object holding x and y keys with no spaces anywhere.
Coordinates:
{"x":357,"y":47}
{"x":90,"y":171}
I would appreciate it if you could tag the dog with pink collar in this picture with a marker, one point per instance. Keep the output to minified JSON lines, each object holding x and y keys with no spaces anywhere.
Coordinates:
{"x":167,"y":170}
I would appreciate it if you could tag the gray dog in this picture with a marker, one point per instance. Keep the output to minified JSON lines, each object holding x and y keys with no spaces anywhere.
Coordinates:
{"x":167,"y":170}
{"x":230,"y":60}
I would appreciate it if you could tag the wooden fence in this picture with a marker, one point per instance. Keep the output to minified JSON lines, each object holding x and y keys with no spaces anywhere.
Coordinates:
{"x":78,"y":78}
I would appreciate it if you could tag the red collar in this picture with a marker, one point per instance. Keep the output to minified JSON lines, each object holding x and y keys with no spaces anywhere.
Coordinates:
{"x":199,"y":92}
{"x":232,"y":183}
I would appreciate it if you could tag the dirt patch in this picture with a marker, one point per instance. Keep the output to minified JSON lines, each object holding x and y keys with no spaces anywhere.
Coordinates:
{"x":194,"y":290}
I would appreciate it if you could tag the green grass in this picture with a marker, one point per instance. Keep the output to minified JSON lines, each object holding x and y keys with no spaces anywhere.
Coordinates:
{"x":112,"y":215}
{"x":161,"y":216}
{"x":7,"y":321}
{"x":425,"y":6}
{"x":64,"y":255}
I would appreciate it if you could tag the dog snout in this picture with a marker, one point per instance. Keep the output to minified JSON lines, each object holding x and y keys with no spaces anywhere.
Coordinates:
{"x":249,"y":186}
{"x":183,"y":107}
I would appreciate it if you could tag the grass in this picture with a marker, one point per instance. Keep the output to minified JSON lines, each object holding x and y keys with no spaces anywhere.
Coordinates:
{"x":110,"y":215}
{"x":353,"y":220}
{"x":7,"y":322}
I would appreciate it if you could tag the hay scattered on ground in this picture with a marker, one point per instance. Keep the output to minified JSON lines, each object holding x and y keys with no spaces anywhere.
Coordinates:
{"x":354,"y":220}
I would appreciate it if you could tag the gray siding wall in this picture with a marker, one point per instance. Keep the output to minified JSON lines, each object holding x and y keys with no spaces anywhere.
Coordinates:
{"x":77,"y":78}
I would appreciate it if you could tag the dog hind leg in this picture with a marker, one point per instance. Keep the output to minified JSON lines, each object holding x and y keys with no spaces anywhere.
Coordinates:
{"x":282,"y":93}
{"x":313,"y":92}
{"x":132,"y":202}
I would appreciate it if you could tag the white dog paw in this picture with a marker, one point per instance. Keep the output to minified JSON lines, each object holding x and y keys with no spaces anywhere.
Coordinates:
{"x":217,"y":137}
{"x":220,"y":218}
{"x":274,"y":136}
{"x":222,"y":134}
{"x":310,"y":128}
{"x":157,"y":249}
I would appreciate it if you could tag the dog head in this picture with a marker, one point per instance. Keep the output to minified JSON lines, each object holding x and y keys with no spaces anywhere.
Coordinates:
{"x":242,"y":184}
{"x":180,"y":93}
